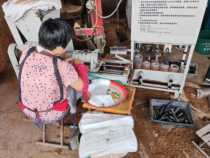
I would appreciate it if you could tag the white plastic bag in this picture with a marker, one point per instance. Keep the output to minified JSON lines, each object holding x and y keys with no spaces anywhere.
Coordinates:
{"x":92,"y":121}
{"x":107,"y":141}
{"x":16,"y":10}
{"x":106,"y":134}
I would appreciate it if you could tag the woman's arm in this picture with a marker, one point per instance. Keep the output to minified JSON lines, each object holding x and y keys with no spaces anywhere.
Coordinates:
{"x":78,"y":85}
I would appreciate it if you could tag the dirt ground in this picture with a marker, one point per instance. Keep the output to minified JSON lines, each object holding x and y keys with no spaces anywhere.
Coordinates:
{"x":166,"y":141}
{"x":18,"y":137}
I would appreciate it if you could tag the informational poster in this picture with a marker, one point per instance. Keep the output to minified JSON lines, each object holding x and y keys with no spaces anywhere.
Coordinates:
{"x":167,"y":21}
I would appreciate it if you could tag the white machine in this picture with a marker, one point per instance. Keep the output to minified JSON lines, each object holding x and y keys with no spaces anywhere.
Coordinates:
{"x":158,"y":29}
{"x":116,"y":66}
{"x":161,"y":49}
{"x":91,"y":58}
{"x":113,"y":70}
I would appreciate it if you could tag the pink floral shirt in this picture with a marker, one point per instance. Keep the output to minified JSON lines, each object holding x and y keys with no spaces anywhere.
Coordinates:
{"x":39,"y":87}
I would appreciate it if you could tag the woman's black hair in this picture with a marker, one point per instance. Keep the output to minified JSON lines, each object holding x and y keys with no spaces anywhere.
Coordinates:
{"x":54,"y":33}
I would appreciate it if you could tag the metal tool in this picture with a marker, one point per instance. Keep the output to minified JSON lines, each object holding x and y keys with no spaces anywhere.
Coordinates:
{"x":119,"y":50}
{"x":170,"y":113}
{"x":114,"y":68}
{"x":97,"y":29}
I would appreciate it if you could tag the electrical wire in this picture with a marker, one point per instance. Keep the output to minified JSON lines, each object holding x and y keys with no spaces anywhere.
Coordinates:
{"x":114,"y":11}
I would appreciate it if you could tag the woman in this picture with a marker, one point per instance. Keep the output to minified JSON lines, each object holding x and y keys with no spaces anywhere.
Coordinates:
{"x":45,"y":78}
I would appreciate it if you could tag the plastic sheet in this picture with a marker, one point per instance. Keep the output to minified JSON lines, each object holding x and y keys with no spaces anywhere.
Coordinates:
{"x":107,"y":141}
{"x":96,"y":121}
{"x":16,"y":10}
{"x":106,"y":134}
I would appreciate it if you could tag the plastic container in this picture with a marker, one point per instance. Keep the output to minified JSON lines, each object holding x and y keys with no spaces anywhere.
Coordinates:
{"x":155,"y":66}
{"x":138,"y":60}
{"x":146,"y":65}
{"x":164,"y":67}
{"x":174,"y":68}
{"x":184,"y":106}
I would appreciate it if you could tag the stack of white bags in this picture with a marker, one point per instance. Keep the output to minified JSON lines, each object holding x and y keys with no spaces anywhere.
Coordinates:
{"x":106,"y":134}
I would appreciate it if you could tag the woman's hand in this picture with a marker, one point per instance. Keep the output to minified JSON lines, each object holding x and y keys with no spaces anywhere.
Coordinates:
{"x":69,"y":60}
{"x":74,"y":61}
{"x":78,"y":61}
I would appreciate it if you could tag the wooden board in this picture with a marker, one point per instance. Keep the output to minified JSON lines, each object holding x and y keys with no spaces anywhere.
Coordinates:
{"x":123,"y":108}
{"x":204,"y":134}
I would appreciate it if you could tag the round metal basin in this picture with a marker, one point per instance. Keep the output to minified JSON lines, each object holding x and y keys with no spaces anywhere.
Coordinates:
{"x":106,"y":93}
